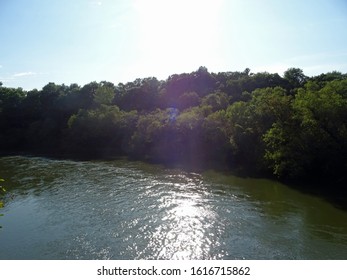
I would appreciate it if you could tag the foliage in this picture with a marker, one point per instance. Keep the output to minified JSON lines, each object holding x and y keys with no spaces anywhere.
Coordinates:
{"x":2,"y":191}
{"x":216,"y":135}
{"x":154,"y":136}
{"x":293,"y":127}
{"x":249,"y":121}
{"x":217,"y":100}
{"x":295,"y":77}
{"x":104,"y":95}
{"x":99,"y":131}
{"x":312,"y":142}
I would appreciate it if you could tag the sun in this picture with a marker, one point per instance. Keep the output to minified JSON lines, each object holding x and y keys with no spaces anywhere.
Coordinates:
{"x":177,"y":35}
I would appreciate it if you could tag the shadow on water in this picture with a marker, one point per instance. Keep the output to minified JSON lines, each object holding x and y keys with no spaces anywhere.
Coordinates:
{"x":304,"y":215}
{"x":337,"y":195}
{"x":334,"y":192}
{"x":130,"y":209}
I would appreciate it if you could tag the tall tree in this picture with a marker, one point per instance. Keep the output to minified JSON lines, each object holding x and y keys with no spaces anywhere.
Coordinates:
{"x":295,"y":77}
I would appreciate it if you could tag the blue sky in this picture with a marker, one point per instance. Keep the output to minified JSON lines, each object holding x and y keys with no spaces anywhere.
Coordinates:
{"x":79,"y":41}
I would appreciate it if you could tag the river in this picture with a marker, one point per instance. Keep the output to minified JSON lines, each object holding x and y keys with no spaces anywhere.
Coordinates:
{"x":119,"y":209}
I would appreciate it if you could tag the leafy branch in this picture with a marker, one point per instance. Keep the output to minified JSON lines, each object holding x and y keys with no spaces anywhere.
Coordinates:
{"x":2,"y":191}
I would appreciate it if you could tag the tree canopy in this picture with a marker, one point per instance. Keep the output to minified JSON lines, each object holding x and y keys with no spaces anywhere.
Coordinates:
{"x":293,"y":127}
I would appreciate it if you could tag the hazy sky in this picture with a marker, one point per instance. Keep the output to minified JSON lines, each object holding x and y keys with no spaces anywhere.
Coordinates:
{"x":79,"y":41}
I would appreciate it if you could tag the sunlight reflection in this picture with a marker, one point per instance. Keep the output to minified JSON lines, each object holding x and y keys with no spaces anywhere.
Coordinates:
{"x":184,"y":231}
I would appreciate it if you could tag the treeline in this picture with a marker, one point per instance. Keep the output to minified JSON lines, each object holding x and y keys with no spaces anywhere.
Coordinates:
{"x":294,"y":127}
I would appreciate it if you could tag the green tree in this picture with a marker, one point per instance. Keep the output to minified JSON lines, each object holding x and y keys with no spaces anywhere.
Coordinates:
{"x":294,"y":126}
{"x":324,"y":78}
{"x":12,"y":121}
{"x":312,"y":143}
{"x":140,"y":95}
{"x":295,"y":77}
{"x":217,"y":100}
{"x":216,"y":137}
{"x":100,"y":131}
{"x":189,"y":134}
{"x":104,"y":95}
{"x":188,"y":100}
{"x":238,"y":84}
{"x":249,"y":121}
{"x":155,"y":137}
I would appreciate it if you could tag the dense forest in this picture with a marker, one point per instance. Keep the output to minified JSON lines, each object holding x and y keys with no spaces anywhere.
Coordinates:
{"x":293,"y":127}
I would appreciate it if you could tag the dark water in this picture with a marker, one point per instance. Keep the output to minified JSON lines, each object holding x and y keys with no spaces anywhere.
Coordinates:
{"x":58,"y":209}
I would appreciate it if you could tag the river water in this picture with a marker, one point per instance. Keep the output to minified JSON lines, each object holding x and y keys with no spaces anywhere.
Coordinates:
{"x":61,"y":209}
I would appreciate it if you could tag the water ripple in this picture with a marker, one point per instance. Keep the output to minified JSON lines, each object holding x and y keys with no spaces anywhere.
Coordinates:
{"x":132,"y":210}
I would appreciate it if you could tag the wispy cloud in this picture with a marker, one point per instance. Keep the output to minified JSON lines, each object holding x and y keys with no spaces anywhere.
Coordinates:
{"x":23,"y":74}
{"x":16,"y":77}
{"x":0,"y":66}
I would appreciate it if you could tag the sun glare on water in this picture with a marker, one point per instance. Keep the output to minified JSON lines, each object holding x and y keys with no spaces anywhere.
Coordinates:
{"x":177,"y":36}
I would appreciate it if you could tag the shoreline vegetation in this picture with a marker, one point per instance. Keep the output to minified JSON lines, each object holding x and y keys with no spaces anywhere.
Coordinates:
{"x":291,"y":128}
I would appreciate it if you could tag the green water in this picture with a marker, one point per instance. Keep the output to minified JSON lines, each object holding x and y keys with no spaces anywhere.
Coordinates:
{"x":59,"y":209}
